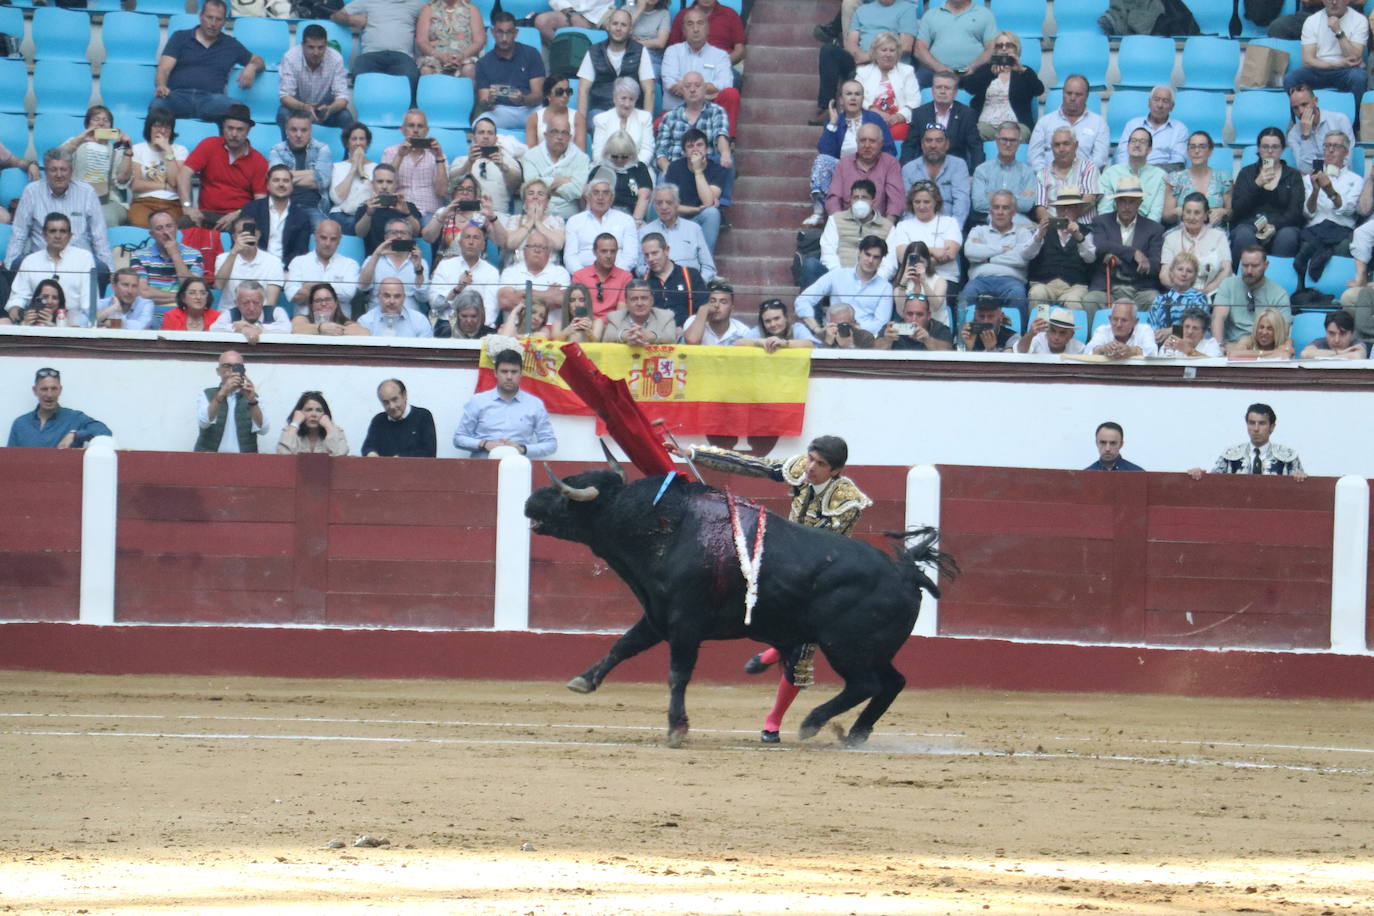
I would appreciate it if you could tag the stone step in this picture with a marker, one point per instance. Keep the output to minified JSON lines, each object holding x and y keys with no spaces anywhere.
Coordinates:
{"x":767,"y":137}
{"x":786,"y":216}
{"x":762,"y":189}
{"x":794,"y":33}
{"x":811,"y":11}
{"x":756,"y":243}
{"x":759,"y":271}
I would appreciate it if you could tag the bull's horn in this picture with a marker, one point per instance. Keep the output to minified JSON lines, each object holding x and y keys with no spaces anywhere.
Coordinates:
{"x":576,"y":494}
{"x":610,"y":460}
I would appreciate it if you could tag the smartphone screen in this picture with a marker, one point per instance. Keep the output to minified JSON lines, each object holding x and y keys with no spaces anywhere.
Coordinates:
{"x":403,"y":245}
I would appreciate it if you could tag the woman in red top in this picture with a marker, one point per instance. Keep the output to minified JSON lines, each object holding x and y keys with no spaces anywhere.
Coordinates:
{"x":193,"y":312}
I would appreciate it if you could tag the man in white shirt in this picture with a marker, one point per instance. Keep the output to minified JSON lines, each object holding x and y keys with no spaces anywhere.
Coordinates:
{"x":548,"y":280}
{"x":250,"y":316}
{"x":323,"y":265}
{"x":1089,"y":127}
{"x":465,"y":270}
{"x":1125,"y":336}
{"x":70,"y":265}
{"x":391,"y":318}
{"x":600,"y":217}
{"x":1000,"y":252}
{"x":683,"y":236}
{"x":714,"y":325}
{"x":246,"y":261}
{"x":1329,"y":201}
{"x":562,"y":166}
{"x":1051,"y":337}
{"x":1169,"y":136}
{"x":1333,"y":51}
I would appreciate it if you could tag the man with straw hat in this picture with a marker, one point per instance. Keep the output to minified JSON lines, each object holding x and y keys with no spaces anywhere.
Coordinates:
{"x":1060,"y":273}
{"x":1125,"y":249}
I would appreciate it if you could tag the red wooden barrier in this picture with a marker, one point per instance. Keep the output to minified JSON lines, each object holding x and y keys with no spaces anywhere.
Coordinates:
{"x":1157,"y":558}
{"x":40,"y":537}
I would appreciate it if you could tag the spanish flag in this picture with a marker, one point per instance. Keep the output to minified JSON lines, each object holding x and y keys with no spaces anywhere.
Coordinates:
{"x":727,"y":391}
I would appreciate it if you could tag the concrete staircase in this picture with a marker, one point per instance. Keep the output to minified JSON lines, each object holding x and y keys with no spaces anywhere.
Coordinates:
{"x":774,"y":148}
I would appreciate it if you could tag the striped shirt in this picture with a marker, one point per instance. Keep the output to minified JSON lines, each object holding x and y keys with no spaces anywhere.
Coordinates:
{"x":158,"y":271}
{"x":712,"y":121}
{"x":313,"y":87}
{"x":78,"y":203}
{"x":415,"y":176}
{"x":1084,"y":176}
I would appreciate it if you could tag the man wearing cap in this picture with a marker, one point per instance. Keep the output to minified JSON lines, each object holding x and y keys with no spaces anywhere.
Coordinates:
{"x":1125,"y":336}
{"x":1053,"y":336}
{"x":987,"y":331}
{"x":193,"y":69}
{"x":1110,"y":437}
{"x":1152,"y":179}
{"x":51,"y":425}
{"x":1259,"y":455}
{"x":1060,"y":273}
{"x":600,"y":218}
{"x":231,"y":173}
{"x":1126,"y":248}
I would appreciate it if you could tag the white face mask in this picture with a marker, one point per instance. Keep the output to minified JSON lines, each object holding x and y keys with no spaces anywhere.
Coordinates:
{"x":861,"y":209}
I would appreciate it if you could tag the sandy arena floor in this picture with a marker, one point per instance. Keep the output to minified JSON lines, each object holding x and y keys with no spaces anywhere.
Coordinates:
{"x":199,"y":795}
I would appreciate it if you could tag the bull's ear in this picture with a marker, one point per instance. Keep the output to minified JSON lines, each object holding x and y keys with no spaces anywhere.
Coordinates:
{"x":610,"y":460}
{"x":576,"y":494}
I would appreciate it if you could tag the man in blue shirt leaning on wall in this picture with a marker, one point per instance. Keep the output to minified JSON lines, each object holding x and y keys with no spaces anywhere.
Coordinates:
{"x":51,"y":425}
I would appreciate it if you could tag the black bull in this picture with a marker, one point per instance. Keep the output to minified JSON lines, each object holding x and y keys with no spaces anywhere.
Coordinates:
{"x":678,"y":556}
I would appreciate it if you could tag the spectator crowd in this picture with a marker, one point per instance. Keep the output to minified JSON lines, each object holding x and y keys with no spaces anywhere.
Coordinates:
{"x":596,"y":178}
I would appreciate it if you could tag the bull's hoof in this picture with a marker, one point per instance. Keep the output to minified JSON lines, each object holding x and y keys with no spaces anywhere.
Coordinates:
{"x":580,"y":684}
{"x":855,"y":739}
{"x":807,"y":730}
{"x":676,"y":737}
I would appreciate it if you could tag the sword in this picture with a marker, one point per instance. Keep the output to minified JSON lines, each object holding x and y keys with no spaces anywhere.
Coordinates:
{"x":687,"y":452}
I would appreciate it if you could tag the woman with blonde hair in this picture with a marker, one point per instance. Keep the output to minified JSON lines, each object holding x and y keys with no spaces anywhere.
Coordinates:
{"x":1004,"y":89}
{"x":509,"y":232}
{"x":633,"y":183}
{"x":1268,"y":340}
{"x":890,"y":87}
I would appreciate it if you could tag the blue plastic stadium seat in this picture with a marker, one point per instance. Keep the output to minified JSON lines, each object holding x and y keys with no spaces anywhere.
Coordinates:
{"x":14,"y":76}
{"x":12,"y":184}
{"x":267,"y":38}
{"x":181,"y":21}
{"x":447,"y":100}
{"x":1335,"y":279}
{"x":190,"y":133}
{"x":1223,"y":158}
{"x":133,"y":236}
{"x":350,"y":246}
{"x":126,"y":85}
{"x":1210,"y":63}
{"x":1253,"y":111}
{"x":381,"y":99}
{"x":1079,"y":16}
{"x":262,"y":98}
{"x":5,"y":229}
{"x":1122,"y":106}
{"x":1025,"y":18}
{"x":161,"y":7}
{"x":1202,"y":111}
{"x":1307,"y":327}
{"x":454,"y":140}
{"x":1213,"y":16}
{"x":1357,"y":160}
{"x":61,"y":87}
{"x":60,"y":34}
{"x":1145,"y":60}
{"x":264,"y":136}
{"x":522,"y":8}
{"x":1281,"y":271}
{"x":383,"y":137}
{"x":1081,"y":52}
{"x":130,"y":37}
{"x":12,"y":23}
{"x":1333,"y":100}
{"x":1292,"y":48}
{"x":52,"y":130}
{"x":14,"y":134}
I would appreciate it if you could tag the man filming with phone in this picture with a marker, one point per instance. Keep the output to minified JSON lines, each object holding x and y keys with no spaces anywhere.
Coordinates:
{"x":420,"y":163}
{"x":916,"y":331}
{"x":398,"y":257}
{"x":385,"y":205}
{"x":230,"y":415}
{"x":248,"y":261}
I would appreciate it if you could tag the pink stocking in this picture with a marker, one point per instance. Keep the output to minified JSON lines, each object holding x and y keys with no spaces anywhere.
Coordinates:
{"x":787,"y":692}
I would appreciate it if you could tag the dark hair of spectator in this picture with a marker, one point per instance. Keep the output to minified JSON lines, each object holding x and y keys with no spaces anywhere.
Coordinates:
{"x":337,"y":316}
{"x":187,"y":284}
{"x":159,"y":117}
{"x":833,"y":450}
{"x":314,"y":32}
{"x":1211,"y":144}
{"x":279,"y":167}
{"x":43,"y":284}
{"x":502,"y":16}
{"x":222,"y":4}
{"x":466,"y":185}
{"x":1263,"y":410}
{"x":1254,"y":249}
{"x":922,"y":251}
{"x":771,"y":305}
{"x":56,"y":217}
{"x":692,"y":136}
{"x":552,"y":82}
{"x":1271,"y":132}
{"x":95,"y":110}
{"x":1197,"y":197}
{"x":384,"y":165}
{"x":1149,"y":137}
{"x":863,"y":184}
{"x":869,"y":242}
{"x":1341,"y":319}
{"x":1111,"y":424}
{"x":567,"y":298}
{"x":656,"y":237}
{"x":639,"y":283}
{"x":305,"y":398}
{"x":124,"y":272}
{"x":1194,"y":314}
{"x":605,"y":237}
{"x":508,"y":357}
{"x":357,"y":126}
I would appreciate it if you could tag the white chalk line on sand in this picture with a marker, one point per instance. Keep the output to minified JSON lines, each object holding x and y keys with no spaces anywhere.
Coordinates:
{"x":906,"y":749}
{"x":461,"y":723}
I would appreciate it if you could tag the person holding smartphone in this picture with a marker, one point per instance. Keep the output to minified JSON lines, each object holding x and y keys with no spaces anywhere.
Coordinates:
{"x":1331,"y":193}
{"x":230,"y":414}
{"x":489,"y":160}
{"x":420,"y":163}
{"x":386,"y":204}
{"x":1267,"y":201}
{"x":246,"y":260}
{"x":398,"y":257}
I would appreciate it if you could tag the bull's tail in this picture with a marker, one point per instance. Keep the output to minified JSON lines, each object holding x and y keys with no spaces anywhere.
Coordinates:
{"x":918,"y":546}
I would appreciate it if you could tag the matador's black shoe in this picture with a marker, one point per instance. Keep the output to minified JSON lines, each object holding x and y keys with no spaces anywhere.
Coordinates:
{"x":768,"y":737}
{"x":756,"y":665}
